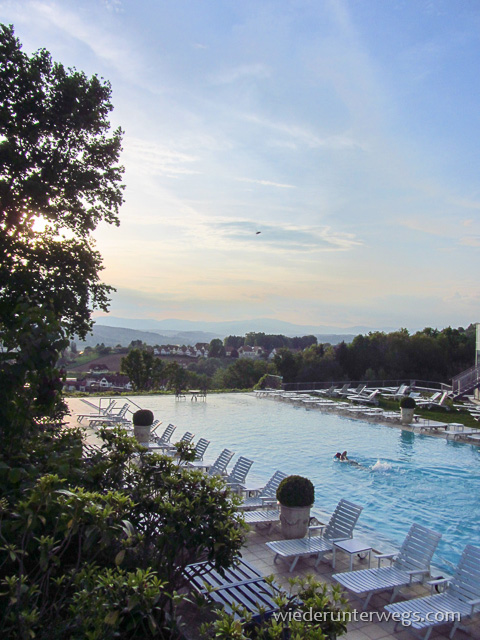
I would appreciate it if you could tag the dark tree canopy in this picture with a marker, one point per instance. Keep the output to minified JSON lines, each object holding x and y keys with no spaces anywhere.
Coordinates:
{"x":58,"y":163}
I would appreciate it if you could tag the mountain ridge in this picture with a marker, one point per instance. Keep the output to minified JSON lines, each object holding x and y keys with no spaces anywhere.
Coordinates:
{"x":231,"y":327}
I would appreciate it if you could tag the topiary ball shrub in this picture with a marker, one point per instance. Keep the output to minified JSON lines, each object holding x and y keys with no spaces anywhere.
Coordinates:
{"x":143,"y":418}
{"x":408,"y":403}
{"x":296,"y":491}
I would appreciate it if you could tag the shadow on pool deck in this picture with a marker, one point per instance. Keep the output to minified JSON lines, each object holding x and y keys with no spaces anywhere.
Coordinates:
{"x":259,"y":555}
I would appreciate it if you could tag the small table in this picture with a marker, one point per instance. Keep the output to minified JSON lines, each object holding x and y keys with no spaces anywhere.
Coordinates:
{"x":197,"y":393}
{"x":352,"y":547}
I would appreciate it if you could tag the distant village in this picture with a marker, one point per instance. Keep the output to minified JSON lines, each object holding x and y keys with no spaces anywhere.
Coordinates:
{"x":101,"y":378}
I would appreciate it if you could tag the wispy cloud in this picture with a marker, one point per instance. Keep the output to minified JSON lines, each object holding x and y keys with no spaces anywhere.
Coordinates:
{"x":267,"y":183}
{"x":234,"y":74}
{"x":470,"y":241}
{"x":304,"y":137}
{"x":105,"y":44}
{"x":150,"y":158}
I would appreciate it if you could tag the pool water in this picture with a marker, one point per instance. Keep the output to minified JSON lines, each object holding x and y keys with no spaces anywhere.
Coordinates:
{"x":402,"y":476}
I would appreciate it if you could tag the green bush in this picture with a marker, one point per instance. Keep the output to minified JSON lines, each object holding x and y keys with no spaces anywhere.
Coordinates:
{"x":317,"y":611}
{"x":296,"y":491}
{"x":143,"y":418}
{"x":408,"y":403}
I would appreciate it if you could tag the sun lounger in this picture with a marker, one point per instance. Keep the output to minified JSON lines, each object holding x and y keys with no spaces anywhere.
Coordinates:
{"x":436,"y":401}
{"x":238,"y":589}
{"x":427,"y":425}
{"x":459,"y":600}
{"x":200,"y":448}
{"x":399,"y":393}
{"x":339,"y":527}
{"x":371,"y":398}
{"x":411,"y":565}
{"x":266,"y":495}
{"x":111,"y":418}
{"x":344,"y":391}
{"x":166,"y":435}
{"x":459,"y":431}
{"x":218,"y":467}
{"x":358,"y":391}
{"x":261,"y":517}
{"x":171,"y":447}
{"x":99,"y":413}
{"x":237,"y":476}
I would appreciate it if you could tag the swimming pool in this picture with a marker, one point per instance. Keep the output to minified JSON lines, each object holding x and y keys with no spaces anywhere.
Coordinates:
{"x":420,"y":478}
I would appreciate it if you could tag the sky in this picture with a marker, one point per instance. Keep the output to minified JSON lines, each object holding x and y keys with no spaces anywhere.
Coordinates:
{"x":346,"y":131}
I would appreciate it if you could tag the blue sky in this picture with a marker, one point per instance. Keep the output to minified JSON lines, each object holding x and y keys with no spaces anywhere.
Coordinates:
{"x":347,"y":132}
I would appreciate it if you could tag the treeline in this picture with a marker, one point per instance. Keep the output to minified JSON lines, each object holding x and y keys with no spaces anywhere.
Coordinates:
{"x":429,"y":354}
{"x":269,"y":341}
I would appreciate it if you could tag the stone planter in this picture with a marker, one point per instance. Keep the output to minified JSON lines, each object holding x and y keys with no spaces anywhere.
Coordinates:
{"x":407,"y":415}
{"x":142,"y":433}
{"x":294,"y":521}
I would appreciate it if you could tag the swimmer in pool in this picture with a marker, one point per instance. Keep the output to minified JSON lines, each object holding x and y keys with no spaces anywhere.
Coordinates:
{"x":342,"y":457}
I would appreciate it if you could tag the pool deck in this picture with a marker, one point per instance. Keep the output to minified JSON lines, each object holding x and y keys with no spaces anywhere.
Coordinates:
{"x":261,"y":557}
{"x":258,"y":554}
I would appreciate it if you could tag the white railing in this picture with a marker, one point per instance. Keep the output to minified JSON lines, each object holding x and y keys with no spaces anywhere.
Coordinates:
{"x":466,"y":381}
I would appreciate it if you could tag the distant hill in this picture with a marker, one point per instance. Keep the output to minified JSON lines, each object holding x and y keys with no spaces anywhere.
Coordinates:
{"x":234,"y":327}
{"x":112,"y":336}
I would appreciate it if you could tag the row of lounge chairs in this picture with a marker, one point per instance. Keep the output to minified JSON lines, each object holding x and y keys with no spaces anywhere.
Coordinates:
{"x":242,"y":587}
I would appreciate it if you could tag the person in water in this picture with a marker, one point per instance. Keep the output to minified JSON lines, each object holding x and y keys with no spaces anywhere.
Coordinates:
{"x":343,"y":458}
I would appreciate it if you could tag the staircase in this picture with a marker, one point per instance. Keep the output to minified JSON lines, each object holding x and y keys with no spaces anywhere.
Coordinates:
{"x":465,"y":382}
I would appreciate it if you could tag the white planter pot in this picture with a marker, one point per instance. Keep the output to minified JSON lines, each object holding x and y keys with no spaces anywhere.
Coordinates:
{"x":294,"y":521}
{"x":407,"y":415}
{"x":142,"y":433}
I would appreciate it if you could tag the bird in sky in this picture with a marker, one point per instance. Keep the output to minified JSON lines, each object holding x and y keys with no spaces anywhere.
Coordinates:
{"x":258,"y":233}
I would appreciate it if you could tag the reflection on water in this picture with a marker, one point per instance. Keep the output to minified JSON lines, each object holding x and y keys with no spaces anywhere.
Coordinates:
{"x":400,"y":477}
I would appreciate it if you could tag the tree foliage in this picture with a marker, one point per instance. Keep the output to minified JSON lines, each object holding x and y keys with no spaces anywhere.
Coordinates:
{"x":144,"y":369}
{"x":431,"y":355}
{"x":59,"y":164}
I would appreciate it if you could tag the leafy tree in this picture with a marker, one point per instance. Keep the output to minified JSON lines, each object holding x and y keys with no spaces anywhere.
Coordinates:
{"x":216,"y":349}
{"x":136,"y":344}
{"x":243,"y":374}
{"x":30,"y":383}
{"x":234,"y":341}
{"x":143,"y":368}
{"x":287,"y":364}
{"x":58,"y":162}
{"x":175,"y":375}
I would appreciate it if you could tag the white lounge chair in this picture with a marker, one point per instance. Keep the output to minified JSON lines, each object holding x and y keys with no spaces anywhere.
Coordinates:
{"x":412,"y":564}
{"x":166,"y":435}
{"x":371,"y":398}
{"x":112,"y":418}
{"x":266,"y":517}
{"x":200,"y":448}
{"x":99,"y":413}
{"x":458,"y":431}
{"x":265,"y":496}
{"x":437,"y":400}
{"x":237,"y":476}
{"x":237,"y":589}
{"x":339,"y":527}
{"x":171,"y":446}
{"x":220,"y":464}
{"x":399,"y":393}
{"x":344,"y":391}
{"x":459,"y":600}
{"x":358,"y":391}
